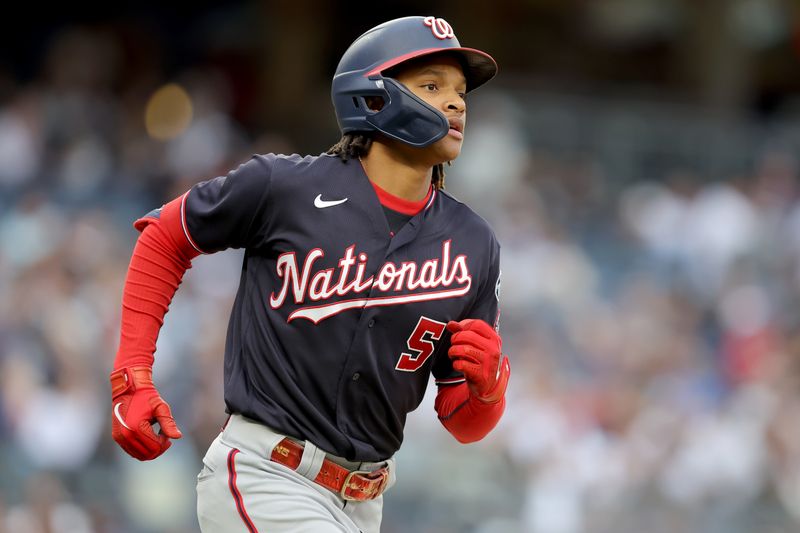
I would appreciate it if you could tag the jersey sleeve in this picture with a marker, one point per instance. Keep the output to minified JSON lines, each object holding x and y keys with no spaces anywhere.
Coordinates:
{"x":487,"y":303}
{"x":229,"y":211}
{"x":486,"y":307}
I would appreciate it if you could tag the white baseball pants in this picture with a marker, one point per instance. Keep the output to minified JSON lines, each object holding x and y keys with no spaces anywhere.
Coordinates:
{"x":239,"y":489}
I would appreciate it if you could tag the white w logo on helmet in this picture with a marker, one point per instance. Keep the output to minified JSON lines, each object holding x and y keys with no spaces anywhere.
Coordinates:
{"x":440,"y":28}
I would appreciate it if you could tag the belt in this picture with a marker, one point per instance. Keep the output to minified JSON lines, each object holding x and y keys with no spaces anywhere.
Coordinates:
{"x":352,"y":485}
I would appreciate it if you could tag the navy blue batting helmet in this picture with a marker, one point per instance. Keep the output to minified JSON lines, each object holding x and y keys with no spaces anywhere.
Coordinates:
{"x":404,"y":116}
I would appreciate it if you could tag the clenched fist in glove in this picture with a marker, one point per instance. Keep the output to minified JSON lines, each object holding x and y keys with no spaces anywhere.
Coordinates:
{"x":136,"y":405}
{"x":475,"y":349}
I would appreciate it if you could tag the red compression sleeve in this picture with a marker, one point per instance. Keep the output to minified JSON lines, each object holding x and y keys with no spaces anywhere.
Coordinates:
{"x":161,"y":256}
{"x":465,"y":417}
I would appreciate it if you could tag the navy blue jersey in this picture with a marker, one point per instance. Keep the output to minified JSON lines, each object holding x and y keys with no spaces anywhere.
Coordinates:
{"x":337,"y":324}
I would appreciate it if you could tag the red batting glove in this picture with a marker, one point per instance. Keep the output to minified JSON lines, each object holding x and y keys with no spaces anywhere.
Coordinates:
{"x":136,"y":405}
{"x":475,"y":349}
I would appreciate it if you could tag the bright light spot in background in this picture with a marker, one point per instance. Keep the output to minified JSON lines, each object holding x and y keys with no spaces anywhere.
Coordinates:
{"x":168,"y":112}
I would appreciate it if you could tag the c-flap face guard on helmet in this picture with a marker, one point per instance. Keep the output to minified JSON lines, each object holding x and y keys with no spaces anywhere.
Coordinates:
{"x":404,"y":116}
{"x":413,"y":121}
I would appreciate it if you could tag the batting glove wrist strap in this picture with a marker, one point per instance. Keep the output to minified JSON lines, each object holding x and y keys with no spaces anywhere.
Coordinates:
{"x":131,"y":379}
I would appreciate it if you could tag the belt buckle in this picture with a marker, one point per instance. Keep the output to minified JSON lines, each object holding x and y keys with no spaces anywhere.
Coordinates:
{"x":372,"y":493}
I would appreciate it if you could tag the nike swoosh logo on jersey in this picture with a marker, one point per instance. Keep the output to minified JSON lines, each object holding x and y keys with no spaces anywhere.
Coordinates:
{"x":319,"y":203}
{"x":119,"y":417}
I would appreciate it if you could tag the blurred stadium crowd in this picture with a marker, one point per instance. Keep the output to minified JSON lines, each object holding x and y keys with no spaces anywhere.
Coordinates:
{"x":651,"y":281}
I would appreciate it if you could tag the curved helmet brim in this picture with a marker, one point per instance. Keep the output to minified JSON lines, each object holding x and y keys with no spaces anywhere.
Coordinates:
{"x":479,"y":67}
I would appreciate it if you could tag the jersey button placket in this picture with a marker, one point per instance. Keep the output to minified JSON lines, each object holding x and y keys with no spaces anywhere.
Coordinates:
{"x":356,"y":376}
{"x":371,"y":323}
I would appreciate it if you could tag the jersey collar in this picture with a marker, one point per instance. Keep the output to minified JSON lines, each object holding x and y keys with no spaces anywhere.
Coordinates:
{"x":401,"y":205}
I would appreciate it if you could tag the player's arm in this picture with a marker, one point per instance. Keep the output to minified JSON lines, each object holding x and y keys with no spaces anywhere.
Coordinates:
{"x":472,"y":379}
{"x":160,"y":258}
{"x":213,"y":215}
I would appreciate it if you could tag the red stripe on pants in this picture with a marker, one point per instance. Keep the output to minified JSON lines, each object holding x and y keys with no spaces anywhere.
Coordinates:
{"x":237,"y":496}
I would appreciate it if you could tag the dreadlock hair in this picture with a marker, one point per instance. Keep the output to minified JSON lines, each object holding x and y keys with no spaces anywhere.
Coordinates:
{"x":357,"y":144}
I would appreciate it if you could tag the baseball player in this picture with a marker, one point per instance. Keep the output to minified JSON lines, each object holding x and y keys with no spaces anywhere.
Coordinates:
{"x":361,"y":277}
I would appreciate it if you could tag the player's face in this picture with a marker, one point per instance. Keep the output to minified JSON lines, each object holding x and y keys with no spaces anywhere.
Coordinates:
{"x":440,"y":82}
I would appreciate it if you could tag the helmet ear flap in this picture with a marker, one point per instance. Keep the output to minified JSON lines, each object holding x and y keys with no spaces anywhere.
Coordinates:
{"x":375,"y":103}
{"x":408,"y":118}
{"x":368,"y":103}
